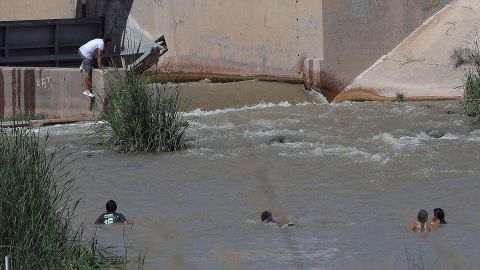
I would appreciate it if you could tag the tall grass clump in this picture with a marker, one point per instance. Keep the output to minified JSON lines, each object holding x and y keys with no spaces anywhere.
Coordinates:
{"x":36,"y":208}
{"x":469,"y":59}
{"x":140,"y":116}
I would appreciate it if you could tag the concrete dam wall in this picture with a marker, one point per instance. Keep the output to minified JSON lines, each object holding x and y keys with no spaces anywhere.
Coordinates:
{"x":248,"y":37}
{"x":420,"y":66}
{"x":358,"y":32}
{"x":326,"y":43}
{"x":274,"y":38}
{"x":37,"y":10}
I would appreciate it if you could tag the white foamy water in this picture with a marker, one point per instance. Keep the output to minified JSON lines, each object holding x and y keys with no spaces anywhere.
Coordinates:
{"x":200,"y":112}
{"x":400,"y":142}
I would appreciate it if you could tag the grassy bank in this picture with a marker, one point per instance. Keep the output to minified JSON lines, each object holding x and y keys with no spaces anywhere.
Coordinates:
{"x":36,"y":208}
{"x":139,"y":116}
{"x":21,"y":116}
{"x":469,"y":59}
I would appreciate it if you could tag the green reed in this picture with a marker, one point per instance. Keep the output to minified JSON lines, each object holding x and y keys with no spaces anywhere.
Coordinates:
{"x":139,"y":116}
{"x":469,"y":58}
{"x":471,"y":97}
{"x":36,"y":208}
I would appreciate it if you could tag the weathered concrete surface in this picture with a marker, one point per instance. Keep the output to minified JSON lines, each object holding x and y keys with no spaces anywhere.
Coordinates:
{"x":269,"y":38}
{"x":248,"y":37}
{"x":213,"y":96}
{"x":420,"y":66}
{"x":312,"y":74}
{"x":357,"y":33}
{"x":274,"y":38}
{"x":37,"y":10}
{"x":56,"y":92}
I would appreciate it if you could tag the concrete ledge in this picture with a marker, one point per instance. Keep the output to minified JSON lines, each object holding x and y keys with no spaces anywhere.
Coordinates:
{"x":44,"y":122}
{"x":56,"y":92}
{"x":359,"y":94}
{"x":216,"y":77}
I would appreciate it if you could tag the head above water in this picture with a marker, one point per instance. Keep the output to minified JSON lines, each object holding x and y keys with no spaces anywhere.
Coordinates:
{"x":422,"y":216}
{"x":267,"y":216}
{"x":439,"y":214}
{"x":111,"y":206}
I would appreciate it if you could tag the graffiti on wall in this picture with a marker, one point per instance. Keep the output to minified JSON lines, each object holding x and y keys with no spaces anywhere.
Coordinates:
{"x":44,"y":83}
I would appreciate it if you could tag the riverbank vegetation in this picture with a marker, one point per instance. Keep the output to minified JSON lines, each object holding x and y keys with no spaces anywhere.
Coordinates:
{"x":140,"y":116}
{"x":22,"y":116}
{"x":469,"y":59}
{"x":36,"y":208}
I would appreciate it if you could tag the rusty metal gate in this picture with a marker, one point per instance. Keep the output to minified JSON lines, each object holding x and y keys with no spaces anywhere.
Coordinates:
{"x":46,"y":42}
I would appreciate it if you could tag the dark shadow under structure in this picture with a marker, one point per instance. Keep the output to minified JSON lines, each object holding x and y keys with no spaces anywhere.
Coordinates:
{"x":115,"y":14}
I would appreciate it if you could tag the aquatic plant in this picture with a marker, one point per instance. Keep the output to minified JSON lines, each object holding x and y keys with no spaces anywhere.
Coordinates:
{"x":469,"y":58}
{"x":36,"y":208}
{"x":140,"y":116}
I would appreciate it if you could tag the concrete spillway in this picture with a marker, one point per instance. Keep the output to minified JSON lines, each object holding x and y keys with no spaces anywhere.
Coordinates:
{"x":420,"y":66}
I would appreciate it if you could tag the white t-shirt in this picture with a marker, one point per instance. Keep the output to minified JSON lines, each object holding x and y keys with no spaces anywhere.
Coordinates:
{"x":89,"y":48}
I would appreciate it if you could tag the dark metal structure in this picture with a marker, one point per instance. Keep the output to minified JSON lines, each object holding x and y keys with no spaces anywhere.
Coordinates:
{"x":46,"y":42}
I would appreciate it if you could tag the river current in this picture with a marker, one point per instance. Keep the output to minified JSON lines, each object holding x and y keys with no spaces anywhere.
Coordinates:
{"x":351,"y":176}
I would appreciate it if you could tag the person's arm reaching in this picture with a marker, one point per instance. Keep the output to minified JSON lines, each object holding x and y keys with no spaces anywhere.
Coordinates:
{"x":99,"y":58}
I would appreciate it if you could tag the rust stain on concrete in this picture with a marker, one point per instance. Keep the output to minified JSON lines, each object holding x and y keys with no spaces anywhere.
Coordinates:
{"x":14,"y":90}
{"x":19,"y":90}
{"x":335,"y":6}
{"x":29,"y":92}
{"x":330,"y":87}
{"x":214,"y":77}
{"x":2,"y":96}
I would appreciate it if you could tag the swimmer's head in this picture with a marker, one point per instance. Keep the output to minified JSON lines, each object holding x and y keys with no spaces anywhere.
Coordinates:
{"x":422,"y":216}
{"x":439,"y":215}
{"x":267,"y":217}
{"x":111,"y":206}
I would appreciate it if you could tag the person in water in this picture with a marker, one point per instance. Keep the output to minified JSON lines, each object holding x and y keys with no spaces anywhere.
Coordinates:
{"x":438,"y":216}
{"x":111,"y":216}
{"x":267,"y":218}
{"x":421,"y":225}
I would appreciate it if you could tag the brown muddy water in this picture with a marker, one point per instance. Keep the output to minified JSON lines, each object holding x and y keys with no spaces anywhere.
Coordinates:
{"x":352,"y":176}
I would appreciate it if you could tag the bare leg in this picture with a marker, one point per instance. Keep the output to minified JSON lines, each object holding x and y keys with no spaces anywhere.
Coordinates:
{"x":85,"y":81}
{"x":88,"y":81}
